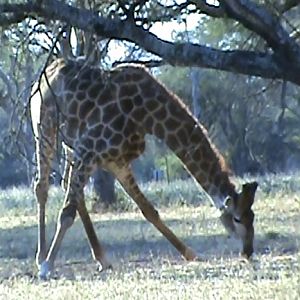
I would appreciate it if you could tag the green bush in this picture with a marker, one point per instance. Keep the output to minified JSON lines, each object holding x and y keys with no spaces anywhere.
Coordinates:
{"x":21,"y":201}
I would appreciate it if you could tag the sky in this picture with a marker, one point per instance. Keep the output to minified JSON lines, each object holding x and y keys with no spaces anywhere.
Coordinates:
{"x":165,"y":31}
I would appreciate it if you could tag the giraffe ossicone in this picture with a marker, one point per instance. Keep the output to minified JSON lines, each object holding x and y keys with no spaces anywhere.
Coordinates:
{"x":103,"y":117}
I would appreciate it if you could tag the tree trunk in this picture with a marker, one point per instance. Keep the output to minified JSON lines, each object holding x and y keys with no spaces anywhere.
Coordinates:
{"x":104,"y":186}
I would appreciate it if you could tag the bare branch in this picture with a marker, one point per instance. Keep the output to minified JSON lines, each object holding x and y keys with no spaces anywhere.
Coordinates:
{"x":258,"y":19}
{"x":208,"y":9}
{"x":288,"y":5}
{"x":10,"y":87}
{"x":6,"y":21}
{"x":283,"y":62}
{"x":148,"y":63}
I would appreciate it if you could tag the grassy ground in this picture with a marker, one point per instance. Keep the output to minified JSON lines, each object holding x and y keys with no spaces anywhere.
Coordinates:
{"x":145,"y":264}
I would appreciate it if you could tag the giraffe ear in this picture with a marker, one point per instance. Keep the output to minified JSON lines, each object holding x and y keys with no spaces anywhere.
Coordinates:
{"x":250,"y":187}
{"x":248,"y":193}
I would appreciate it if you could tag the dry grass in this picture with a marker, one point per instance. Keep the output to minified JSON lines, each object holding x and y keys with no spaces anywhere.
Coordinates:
{"x":147,"y":267}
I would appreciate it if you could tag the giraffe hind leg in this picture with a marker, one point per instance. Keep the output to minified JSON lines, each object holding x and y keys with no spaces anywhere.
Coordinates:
{"x":45,"y":146}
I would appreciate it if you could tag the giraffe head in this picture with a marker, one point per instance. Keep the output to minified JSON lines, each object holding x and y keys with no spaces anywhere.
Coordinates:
{"x":239,"y":208}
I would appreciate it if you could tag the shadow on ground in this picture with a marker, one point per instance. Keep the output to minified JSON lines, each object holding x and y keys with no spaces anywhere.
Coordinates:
{"x":128,"y":242}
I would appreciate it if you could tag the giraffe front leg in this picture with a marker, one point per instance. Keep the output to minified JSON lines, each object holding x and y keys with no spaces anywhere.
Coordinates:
{"x":150,"y":213}
{"x":65,"y":221}
{"x":97,"y":250}
{"x":74,"y":201}
{"x":98,"y":253}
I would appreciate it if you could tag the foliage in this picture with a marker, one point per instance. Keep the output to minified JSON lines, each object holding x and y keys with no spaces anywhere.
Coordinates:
{"x":259,"y":127}
{"x":273,"y":26}
{"x":177,"y":193}
{"x":246,"y":117}
{"x":171,"y":166}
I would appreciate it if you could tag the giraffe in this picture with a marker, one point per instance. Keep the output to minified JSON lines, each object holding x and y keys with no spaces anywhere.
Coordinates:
{"x":103,"y":117}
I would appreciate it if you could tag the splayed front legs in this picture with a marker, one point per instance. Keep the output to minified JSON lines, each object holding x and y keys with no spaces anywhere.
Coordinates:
{"x":74,"y":201}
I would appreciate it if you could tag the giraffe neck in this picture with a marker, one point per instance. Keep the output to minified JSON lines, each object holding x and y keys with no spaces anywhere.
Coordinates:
{"x":187,"y":138}
{"x":205,"y":163}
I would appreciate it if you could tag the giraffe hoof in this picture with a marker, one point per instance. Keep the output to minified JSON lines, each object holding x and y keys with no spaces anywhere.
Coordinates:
{"x":190,"y":255}
{"x":39,"y":258}
{"x":44,"y":271}
{"x":104,"y":267}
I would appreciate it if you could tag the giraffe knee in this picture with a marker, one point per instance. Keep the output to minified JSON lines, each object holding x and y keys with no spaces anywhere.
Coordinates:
{"x":41,"y":191}
{"x":150,"y":213}
{"x":67,"y":216}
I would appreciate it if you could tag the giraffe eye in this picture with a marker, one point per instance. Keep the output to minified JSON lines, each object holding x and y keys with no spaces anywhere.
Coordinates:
{"x":236,"y":220}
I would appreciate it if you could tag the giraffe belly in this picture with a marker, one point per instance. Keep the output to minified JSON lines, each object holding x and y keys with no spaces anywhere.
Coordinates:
{"x":121,"y":145}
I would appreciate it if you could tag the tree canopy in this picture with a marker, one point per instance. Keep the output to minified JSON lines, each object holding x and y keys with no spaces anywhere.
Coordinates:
{"x":247,"y":116}
{"x":273,"y":22}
